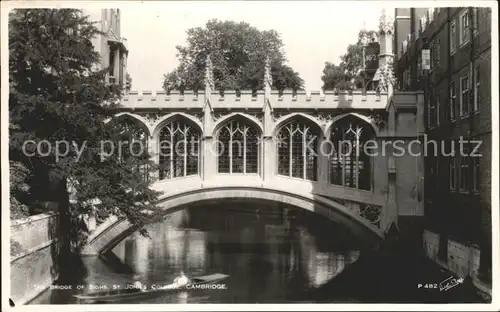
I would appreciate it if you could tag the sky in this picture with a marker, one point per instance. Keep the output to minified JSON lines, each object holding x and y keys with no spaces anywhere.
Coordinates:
{"x":312,"y":32}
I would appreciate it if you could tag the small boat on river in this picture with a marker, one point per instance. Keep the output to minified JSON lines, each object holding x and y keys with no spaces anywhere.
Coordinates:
{"x":131,"y":293}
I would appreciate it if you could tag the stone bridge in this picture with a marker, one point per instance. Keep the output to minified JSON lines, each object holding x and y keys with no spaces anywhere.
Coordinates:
{"x":284,"y":154}
{"x":330,"y":153}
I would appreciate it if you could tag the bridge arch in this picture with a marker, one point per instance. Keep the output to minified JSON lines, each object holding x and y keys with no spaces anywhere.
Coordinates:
{"x":142,"y":122}
{"x":164,"y":120}
{"x":283,"y":120}
{"x":330,"y":124}
{"x":227,"y":118}
{"x":332,"y":210}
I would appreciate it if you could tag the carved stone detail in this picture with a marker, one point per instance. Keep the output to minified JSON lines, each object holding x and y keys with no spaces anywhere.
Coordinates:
{"x":372,"y":213}
{"x":209,"y":76}
{"x":385,"y":23}
{"x":378,"y":118}
{"x":151,"y":118}
{"x":217,"y":116}
{"x":277,"y":116}
{"x":198,"y":115}
{"x":324,"y":118}
{"x":385,"y":77}
{"x":268,"y":80}
{"x":258,"y":115}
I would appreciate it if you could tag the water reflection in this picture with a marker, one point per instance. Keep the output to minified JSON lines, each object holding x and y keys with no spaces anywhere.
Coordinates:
{"x":268,"y":257}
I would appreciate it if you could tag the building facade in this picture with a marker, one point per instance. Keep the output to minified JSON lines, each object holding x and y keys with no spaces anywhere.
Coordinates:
{"x":457,"y":84}
{"x":111,"y":45}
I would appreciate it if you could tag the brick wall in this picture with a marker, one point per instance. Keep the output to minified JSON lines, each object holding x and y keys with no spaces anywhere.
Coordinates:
{"x":446,"y":210}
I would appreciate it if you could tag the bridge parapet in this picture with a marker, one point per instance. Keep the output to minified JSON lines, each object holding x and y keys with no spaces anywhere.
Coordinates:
{"x":246,"y":99}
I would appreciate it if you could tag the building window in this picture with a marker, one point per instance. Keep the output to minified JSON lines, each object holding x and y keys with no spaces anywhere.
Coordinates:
{"x":464,"y":27}
{"x":419,"y":66}
{"x":452,"y":101}
{"x":430,"y":13}
{"x":238,"y":148}
{"x":475,"y":173}
{"x":453,"y":37}
{"x":477,"y":91}
{"x":453,"y":173}
{"x":438,"y":103}
{"x":463,"y":174}
{"x":436,"y":52}
{"x":297,"y":151}
{"x":431,"y":112}
{"x":464,"y":95}
{"x":350,"y":166}
{"x":179,"y":150}
{"x":431,"y":50}
{"x":407,"y":79}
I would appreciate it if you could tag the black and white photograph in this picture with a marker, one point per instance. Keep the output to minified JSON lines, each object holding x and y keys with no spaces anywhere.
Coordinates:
{"x":250,"y":155}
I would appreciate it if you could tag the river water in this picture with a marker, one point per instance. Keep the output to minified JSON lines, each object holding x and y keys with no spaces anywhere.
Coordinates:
{"x":271,"y":254}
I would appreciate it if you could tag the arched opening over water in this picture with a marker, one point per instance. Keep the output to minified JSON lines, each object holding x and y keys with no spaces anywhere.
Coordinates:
{"x":268,"y":249}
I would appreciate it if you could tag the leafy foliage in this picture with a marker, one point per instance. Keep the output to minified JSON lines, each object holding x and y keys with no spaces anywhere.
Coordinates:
{"x":238,"y":52}
{"x":57,"y":95}
{"x":19,"y":188}
{"x":340,"y":76}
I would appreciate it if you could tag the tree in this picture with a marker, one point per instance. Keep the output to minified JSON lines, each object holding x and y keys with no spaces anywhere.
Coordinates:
{"x":238,"y":52}
{"x":56,"y":95}
{"x":334,"y":77}
{"x":340,"y":77}
{"x":352,"y":61}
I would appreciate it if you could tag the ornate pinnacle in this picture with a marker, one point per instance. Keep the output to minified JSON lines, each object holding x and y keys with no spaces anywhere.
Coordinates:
{"x":268,"y":80}
{"x":209,"y":76}
{"x":384,"y":77}
{"x":385,"y":24}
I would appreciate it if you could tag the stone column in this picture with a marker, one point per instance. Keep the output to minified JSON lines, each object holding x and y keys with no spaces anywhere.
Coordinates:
{"x":154,"y":153}
{"x":324,"y":151}
{"x":268,"y":157}
{"x":209,"y":161}
{"x":390,"y":213}
{"x":116,"y":61}
{"x":209,"y":148}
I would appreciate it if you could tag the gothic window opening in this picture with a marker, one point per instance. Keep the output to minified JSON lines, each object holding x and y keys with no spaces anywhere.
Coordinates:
{"x":350,"y":166}
{"x":297,"y":145}
{"x":238,"y":148}
{"x":179,"y":150}
{"x":132,"y":146}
